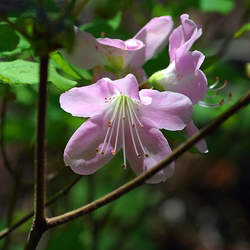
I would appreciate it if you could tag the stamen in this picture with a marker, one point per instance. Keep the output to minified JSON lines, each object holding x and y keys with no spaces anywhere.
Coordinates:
{"x":217,"y":81}
{"x":110,"y":127}
{"x":215,"y":91}
{"x":117,"y":131}
{"x":123,"y":134}
{"x":135,"y":128}
{"x":136,"y":117}
{"x":111,"y":133}
{"x":130,"y":121}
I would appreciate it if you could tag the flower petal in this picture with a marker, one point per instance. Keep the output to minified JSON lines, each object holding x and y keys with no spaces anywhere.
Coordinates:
{"x":183,"y":37}
{"x":87,"y":52}
{"x":128,"y":86}
{"x":192,"y":82}
{"x":201,"y":145}
{"x":119,"y":53}
{"x":155,"y":37}
{"x":80,"y":153}
{"x":189,"y":62}
{"x":87,"y":101}
{"x":168,"y":110}
{"x":157,"y":148}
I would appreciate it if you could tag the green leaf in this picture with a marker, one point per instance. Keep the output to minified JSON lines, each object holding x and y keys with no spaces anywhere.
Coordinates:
{"x":242,"y":30}
{"x":9,"y":38}
{"x":221,"y":6}
{"x":70,"y":70}
{"x":100,"y":25}
{"x":114,"y":23}
{"x":60,"y":81}
{"x":24,"y":72}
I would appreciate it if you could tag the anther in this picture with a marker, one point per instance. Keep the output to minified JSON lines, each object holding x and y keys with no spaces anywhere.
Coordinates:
{"x":124,"y":165}
{"x":142,"y":126}
{"x":113,"y":152}
{"x":97,"y":150}
{"x":102,"y":152}
{"x":221,"y":102}
{"x":139,"y":155}
{"x":133,"y":125}
{"x":230,"y":95}
{"x":146,"y":155}
{"x":123,"y":117}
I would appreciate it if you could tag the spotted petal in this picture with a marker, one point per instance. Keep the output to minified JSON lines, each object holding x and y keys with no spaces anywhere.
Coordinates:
{"x":87,"y":101}
{"x":80,"y":153}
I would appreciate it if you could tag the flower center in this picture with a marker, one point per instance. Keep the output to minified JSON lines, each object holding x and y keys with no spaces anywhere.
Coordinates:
{"x":123,"y":121}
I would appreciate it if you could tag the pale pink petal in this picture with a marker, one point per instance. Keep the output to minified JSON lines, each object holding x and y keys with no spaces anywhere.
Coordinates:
{"x":168,"y":110}
{"x":193,"y":86}
{"x":87,"y":101}
{"x":157,"y":148}
{"x":140,"y":74}
{"x":80,"y":153}
{"x":183,"y":37}
{"x":155,"y":37}
{"x":128,"y":86}
{"x":192,"y":81}
{"x":201,"y":145}
{"x":87,"y":52}
{"x":115,"y":49}
{"x":189,"y":62}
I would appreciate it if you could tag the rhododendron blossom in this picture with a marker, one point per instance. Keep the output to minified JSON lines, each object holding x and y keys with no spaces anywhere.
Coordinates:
{"x":115,"y":58}
{"x":183,"y":75}
{"x":121,"y":117}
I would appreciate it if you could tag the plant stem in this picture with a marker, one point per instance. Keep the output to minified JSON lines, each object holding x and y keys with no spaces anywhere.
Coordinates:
{"x":2,"y":141}
{"x":139,"y":180}
{"x":39,"y":224}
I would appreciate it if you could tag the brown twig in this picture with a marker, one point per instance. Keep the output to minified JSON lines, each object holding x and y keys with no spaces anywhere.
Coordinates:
{"x":39,"y":223}
{"x":64,"y":218}
{"x":2,"y":141}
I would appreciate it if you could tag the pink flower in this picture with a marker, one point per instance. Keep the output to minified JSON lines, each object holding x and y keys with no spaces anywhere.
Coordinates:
{"x":115,"y":58}
{"x":121,"y":117}
{"x":183,"y":75}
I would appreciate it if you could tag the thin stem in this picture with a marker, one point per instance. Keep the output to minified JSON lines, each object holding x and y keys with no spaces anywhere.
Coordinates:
{"x":139,"y":180}
{"x":52,"y":200}
{"x":2,"y":141}
{"x":39,"y":224}
{"x":40,"y":160}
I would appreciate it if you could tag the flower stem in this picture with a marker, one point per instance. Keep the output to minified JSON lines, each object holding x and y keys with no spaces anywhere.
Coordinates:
{"x":39,"y":224}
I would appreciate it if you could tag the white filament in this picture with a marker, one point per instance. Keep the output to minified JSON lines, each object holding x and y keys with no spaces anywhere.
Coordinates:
{"x":124,"y":112}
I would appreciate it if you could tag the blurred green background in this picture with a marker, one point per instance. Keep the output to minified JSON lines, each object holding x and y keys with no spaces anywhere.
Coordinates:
{"x":204,"y":206}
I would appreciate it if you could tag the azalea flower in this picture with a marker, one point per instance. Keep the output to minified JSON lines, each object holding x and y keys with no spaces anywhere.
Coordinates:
{"x":183,"y":75}
{"x":115,"y":58}
{"x":121,"y":117}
